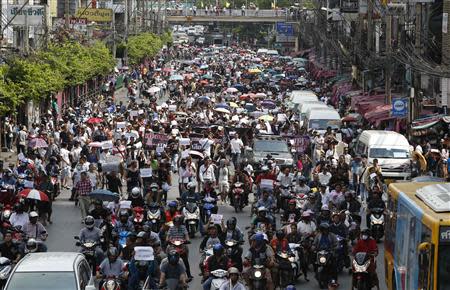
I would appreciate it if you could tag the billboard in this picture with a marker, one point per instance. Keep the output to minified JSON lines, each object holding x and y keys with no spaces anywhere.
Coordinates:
{"x":30,"y":15}
{"x":97,"y":15}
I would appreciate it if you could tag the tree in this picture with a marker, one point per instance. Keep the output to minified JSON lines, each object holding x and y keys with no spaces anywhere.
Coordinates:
{"x":142,"y":46}
{"x":9,"y":99}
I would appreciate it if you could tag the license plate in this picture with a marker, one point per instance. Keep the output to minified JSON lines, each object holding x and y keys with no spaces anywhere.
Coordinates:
{"x":192,"y":222}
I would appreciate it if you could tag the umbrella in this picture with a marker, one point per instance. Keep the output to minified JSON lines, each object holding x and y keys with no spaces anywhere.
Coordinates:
{"x":37,"y":143}
{"x":34,"y":194}
{"x":204,"y":66}
{"x":204,"y":99}
{"x":234,"y":105}
{"x":254,"y":70}
{"x":232,"y":90}
{"x":196,"y":153}
{"x":176,"y":78}
{"x":104,"y":195}
{"x":167,"y":69}
{"x":268,"y":104}
{"x":94,"y":120}
{"x":207,"y":77}
{"x":153,"y":90}
{"x":222,"y":110}
{"x":261,"y":95}
{"x":222,"y":105}
{"x":266,"y":118}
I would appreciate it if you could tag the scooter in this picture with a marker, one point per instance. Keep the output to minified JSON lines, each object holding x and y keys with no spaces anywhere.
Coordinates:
{"x":191,"y":213}
{"x":285,"y":269}
{"x":301,"y":200}
{"x":237,"y":194}
{"x":111,"y":283}
{"x":323,"y":274}
{"x":208,"y":206}
{"x":5,"y":271}
{"x":88,"y":250}
{"x":377,"y":223}
{"x":342,"y":259}
{"x":206,"y":254}
{"x":219,"y":277}
{"x":257,"y":279}
{"x":154,"y":216}
{"x":138,"y":217}
{"x":361,"y":279}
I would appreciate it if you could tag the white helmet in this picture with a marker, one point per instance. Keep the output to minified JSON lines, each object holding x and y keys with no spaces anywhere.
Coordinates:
{"x":191,"y":185}
{"x":135,"y":192}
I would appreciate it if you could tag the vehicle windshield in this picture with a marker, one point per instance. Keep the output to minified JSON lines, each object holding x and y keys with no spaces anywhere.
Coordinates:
{"x":444,"y":267}
{"x":390,"y":153}
{"x":43,"y":281}
{"x":323,"y":124}
{"x":270,"y":146}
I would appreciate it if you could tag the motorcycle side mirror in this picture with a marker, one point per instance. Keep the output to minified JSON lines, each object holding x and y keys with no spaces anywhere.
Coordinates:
{"x":424,"y":247}
{"x":76,"y":237}
{"x":78,"y":244}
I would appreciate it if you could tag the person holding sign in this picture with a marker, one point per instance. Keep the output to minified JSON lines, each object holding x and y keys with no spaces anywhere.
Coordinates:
{"x":141,"y":266}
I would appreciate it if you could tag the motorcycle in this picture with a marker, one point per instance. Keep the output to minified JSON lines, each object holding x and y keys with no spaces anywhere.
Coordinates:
{"x":6,"y":213}
{"x":258,"y":278}
{"x":361,"y":276}
{"x":123,"y":235}
{"x":191,"y":213}
{"x":5,"y":271}
{"x":88,"y":250}
{"x":177,"y":245}
{"x":7,"y":194}
{"x":237,"y":195}
{"x":341,"y":257}
{"x":208,"y":206}
{"x":154,"y":217}
{"x":219,"y":277}
{"x":286,"y":275}
{"x":138,"y":217}
{"x":234,"y":253}
{"x":301,"y":200}
{"x":205,"y":255}
{"x":111,"y":283}
{"x":323,"y":274}
{"x":377,"y":223}
{"x":284,"y":196}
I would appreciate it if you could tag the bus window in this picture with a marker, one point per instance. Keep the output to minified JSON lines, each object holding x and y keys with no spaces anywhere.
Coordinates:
{"x":443,"y":267}
{"x":426,"y":260}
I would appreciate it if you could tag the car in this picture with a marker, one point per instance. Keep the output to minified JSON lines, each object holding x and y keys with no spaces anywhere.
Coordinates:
{"x":200,"y":40}
{"x":274,"y":146}
{"x":52,"y":271}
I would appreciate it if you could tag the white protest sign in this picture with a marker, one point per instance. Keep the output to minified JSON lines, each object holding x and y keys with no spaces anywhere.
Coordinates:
{"x":125,"y":204}
{"x":107,"y":145}
{"x":146,"y":172}
{"x":134,"y":113}
{"x":216,"y":218}
{"x":185,"y":141}
{"x":281,"y":118}
{"x":28,"y":184}
{"x":140,"y":112}
{"x":266,"y":183}
{"x":21,"y":157}
{"x":121,"y":125}
{"x":143,"y":254}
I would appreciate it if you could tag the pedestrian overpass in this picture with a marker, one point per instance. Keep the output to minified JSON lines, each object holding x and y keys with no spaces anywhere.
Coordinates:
{"x":234,"y":15}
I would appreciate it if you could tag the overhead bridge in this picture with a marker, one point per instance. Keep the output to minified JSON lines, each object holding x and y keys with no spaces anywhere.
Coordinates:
{"x":236,"y":15}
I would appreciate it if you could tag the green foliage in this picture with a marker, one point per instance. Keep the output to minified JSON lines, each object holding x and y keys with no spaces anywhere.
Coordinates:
{"x":9,"y":99}
{"x":142,"y":46}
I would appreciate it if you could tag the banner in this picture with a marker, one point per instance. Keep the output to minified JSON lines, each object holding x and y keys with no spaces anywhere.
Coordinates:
{"x":301,"y":144}
{"x":153,"y":139}
{"x":97,"y":15}
{"x":31,"y":15}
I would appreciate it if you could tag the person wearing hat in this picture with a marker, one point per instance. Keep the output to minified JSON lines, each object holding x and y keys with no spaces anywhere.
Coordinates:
{"x":233,"y":282}
{"x":326,"y":241}
{"x":262,"y":254}
{"x":34,"y":229}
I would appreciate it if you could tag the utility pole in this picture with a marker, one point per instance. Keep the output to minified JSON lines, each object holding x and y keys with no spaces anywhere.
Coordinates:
{"x":370,"y":25}
{"x":127,"y":14}
{"x":158,"y":25}
{"x":445,"y":62}
{"x":113,"y":28}
{"x":388,"y":61}
{"x":418,"y":49}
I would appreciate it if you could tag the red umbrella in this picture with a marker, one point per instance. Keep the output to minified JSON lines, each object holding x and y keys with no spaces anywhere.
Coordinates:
{"x":34,"y":194}
{"x":94,"y":120}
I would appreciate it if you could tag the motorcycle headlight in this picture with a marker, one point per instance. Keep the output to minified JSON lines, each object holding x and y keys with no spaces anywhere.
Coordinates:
{"x":4,"y":273}
{"x":377,"y":221}
{"x":291,"y":259}
{"x":258,"y":274}
{"x":322,"y":260}
{"x":191,"y":216}
{"x":110,"y":285}
{"x":361,"y":268}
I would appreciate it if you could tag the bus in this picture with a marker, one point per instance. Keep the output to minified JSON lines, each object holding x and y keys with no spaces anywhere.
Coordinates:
{"x":417,"y":236}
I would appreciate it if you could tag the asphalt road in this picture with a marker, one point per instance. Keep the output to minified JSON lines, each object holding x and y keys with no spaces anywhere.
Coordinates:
{"x":66,"y":224}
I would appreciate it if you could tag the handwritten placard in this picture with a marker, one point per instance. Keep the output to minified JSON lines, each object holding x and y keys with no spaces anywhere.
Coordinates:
{"x":146,"y":172}
{"x":266,"y":183}
{"x":143,"y":254}
{"x":125,"y":204}
{"x":121,"y":125}
{"x":216,"y":218}
{"x":185,"y":141}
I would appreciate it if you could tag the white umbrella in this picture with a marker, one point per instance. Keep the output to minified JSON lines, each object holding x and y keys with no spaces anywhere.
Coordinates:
{"x":222,"y":110}
{"x":153,"y":90}
{"x":232,"y":90}
{"x":261,"y":95}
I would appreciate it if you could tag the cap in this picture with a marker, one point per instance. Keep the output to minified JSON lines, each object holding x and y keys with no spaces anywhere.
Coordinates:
{"x":33,"y":214}
{"x":233,"y":270}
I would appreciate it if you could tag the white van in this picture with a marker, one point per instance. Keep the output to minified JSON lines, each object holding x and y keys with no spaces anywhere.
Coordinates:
{"x":390,"y":148}
{"x":319,"y":119}
{"x":304,"y":107}
{"x":301,"y":96}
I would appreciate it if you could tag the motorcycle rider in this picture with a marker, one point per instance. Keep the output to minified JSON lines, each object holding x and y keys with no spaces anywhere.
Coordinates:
{"x":337,"y":227}
{"x":172,"y":211}
{"x":213,"y":237}
{"x":259,"y":253}
{"x":306,"y":226}
{"x":312,"y":204}
{"x":52,"y":167}
{"x":375,"y":202}
{"x":368,"y":245}
{"x":111,"y":266}
{"x":232,"y":231}
{"x":173,"y":271}
{"x":190,"y":194}
{"x":265,"y":174}
{"x":285,"y":180}
{"x":233,"y":282}
{"x":352,"y":205}
{"x":263,"y":218}
{"x":136,"y":197}
{"x":10,"y":249}
{"x":123,"y":224}
{"x":325,"y":215}
{"x":327,"y":241}
{"x":140,"y":270}
{"x":8,"y":178}
{"x":34,"y":229}
{"x":292,"y":213}
{"x":279,"y":243}
{"x":302,"y":187}
{"x":92,"y":234}
{"x":266,"y":201}
{"x":99,"y":212}
{"x":19,"y":217}
{"x":179,"y":232}
{"x":215,"y":262}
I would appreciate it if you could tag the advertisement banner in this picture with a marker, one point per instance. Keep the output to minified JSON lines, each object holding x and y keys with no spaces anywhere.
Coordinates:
{"x":31,"y":15}
{"x":97,"y":15}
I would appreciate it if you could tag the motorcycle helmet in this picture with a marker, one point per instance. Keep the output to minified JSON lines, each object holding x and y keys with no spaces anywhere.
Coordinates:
{"x":178,"y":219}
{"x":231,"y":223}
{"x":135,"y":192}
{"x":280,"y":234}
{"x":33,"y":214}
{"x":112,"y":254}
{"x":324,"y":226}
{"x":173,"y":204}
{"x":262,"y":211}
{"x":31,"y":246}
{"x":89,"y":222}
{"x":291,"y":287}
{"x":173,"y":257}
{"x":218,"y":249}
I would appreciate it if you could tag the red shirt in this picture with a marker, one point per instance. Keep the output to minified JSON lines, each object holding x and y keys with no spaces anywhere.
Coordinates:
{"x":277,"y":245}
{"x":367,"y":246}
{"x":169,"y":216}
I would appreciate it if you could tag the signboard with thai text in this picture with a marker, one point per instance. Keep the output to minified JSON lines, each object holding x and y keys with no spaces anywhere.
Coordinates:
{"x":29,"y":15}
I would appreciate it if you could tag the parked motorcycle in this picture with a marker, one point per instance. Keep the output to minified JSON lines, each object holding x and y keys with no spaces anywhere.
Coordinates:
{"x":361,"y":276}
{"x":377,"y":223}
{"x":191,"y":213}
{"x":111,"y":283}
{"x":5,"y":271}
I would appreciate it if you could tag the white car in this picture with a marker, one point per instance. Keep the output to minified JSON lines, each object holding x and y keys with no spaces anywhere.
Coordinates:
{"x":52,"y":271}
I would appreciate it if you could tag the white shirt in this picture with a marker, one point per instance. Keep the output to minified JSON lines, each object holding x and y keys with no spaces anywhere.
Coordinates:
{"x":306,"y":228}
{"x":65,"y":160}
{"x":223,"y":175}
{"x":207,"y":174}
{"x":236,"y":145}
{"x":324,"y":178}
{"x":18,"y":219}
{"x":419,"y":149}
{"x":93,"y":177}
{"x":206,"y":145}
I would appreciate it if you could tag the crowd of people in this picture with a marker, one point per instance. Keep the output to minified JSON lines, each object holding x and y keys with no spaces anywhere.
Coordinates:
{"x":186,"y":125}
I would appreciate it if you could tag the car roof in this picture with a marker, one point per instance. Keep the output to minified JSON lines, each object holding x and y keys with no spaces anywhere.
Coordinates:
{"x":49,"y":262}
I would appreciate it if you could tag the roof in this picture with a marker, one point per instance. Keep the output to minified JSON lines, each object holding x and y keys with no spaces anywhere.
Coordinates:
{"x":48,"y":262}
{"x":410,"y":189}
{"x":380,"y":137}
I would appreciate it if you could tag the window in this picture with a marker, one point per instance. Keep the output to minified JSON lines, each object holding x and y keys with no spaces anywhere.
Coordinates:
{"x":394,"y":153}
{"x":443,"y":267}
{"x":425,"y":260}
{"x":43,"y":281}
